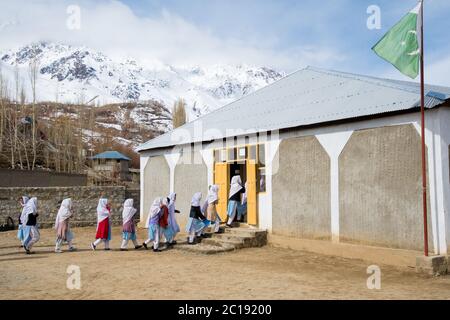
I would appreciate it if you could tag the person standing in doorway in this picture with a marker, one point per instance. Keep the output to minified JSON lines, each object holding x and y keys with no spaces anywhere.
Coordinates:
{"x":236,"y":191}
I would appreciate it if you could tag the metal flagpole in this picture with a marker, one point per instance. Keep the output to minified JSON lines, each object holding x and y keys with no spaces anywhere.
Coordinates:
{"x":422,"y":112}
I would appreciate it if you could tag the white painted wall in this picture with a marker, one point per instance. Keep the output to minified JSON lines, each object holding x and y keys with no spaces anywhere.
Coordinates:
{"x":265,"y":199}
{"x":436,"y":158}
{"x":444,"y":117}
{"x":208,"y":158}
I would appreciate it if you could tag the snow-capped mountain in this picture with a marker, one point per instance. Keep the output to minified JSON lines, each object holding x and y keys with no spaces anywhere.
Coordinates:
{"x":81,"y":75}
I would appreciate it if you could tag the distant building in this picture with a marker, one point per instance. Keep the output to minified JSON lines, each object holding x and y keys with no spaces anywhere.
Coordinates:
{"x":110,"y":166}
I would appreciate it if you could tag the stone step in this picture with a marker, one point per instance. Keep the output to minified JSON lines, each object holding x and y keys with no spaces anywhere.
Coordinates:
{"x":260,"y":236}
{"x":205,"y":249}
{"x":237,"y":244}
{"x":231,"y":239}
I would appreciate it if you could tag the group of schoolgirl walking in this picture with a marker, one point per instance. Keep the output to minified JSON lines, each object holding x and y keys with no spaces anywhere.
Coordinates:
{"x":161,"y":220}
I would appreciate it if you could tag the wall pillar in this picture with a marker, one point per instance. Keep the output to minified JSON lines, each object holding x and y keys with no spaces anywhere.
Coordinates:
{"x":334,"y":143}
{"x":272,"y":165}
{"x":172,"y":160}
{"x":143,"y":164}
{"x":208,"y":158}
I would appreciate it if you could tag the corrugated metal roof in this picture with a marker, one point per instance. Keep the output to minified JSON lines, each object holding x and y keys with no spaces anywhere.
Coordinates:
{"x":306,"y":97}
{"x":111,"y":155}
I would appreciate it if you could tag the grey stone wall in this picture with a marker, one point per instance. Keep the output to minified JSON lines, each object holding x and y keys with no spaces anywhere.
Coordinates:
{"x":380,"y":188}
{"x":24,"y":178}
{"x":156,"y":182}
{"x":301,"y":190}
{"x":189,"y":179}
{"x":85,"y":200}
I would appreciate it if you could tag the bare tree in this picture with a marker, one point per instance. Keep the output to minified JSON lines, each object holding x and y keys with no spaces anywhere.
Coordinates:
{"x":33,"y":74}
{"x":2,"y":108}
{"x":179,"y":117}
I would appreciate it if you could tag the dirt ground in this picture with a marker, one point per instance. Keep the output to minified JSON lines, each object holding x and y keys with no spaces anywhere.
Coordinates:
{"x":260,"y":273}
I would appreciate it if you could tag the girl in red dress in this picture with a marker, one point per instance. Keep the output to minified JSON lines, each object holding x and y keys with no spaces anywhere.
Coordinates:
{"x":103,"y":224}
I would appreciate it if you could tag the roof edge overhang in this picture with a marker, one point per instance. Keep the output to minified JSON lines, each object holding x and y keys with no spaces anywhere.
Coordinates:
{"x":416,"y":108}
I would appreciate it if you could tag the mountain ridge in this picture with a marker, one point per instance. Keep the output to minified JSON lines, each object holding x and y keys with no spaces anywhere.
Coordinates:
{"x":74,"y":74}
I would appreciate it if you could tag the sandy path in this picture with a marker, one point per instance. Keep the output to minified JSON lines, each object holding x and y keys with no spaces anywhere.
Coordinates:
{"x":263,"y":273}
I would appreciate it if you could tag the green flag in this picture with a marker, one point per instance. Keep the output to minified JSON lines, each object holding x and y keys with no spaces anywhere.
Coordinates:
{"x":400,"y":46}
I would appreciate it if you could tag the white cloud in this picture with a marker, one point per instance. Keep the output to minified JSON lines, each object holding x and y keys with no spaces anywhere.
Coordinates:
{"x":112,"y":27}
{"x":438,"y":72}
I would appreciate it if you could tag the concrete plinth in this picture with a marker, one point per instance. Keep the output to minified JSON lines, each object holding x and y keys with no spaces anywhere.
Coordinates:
{"x":432,"y":265}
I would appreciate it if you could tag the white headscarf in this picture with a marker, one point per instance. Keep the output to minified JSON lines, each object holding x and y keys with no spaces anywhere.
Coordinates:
{"x":213,"y":194}
{"x":64,"y":212}
{"x":154,"y":210}
{"x":196,"y":199}
{"x":102,"y":211}
{"x":172,"y":217}
{"x":236,"y":185}
{"x":30,"y":208}
{"x":172,"y":197}
{"x":128,"y":210}
{"x":24,"y":200}
{"x":171,"y":205}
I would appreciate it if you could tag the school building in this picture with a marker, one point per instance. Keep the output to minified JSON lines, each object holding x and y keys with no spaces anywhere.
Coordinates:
{"x":326,"y":155}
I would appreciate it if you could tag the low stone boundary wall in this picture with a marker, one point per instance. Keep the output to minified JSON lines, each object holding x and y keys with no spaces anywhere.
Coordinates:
{"x":85,"y":200}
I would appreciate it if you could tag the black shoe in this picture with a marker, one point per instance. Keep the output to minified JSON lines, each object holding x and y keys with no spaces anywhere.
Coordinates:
{"x":220,"y":231}
{"x":191,"y":243}
{"x":107,"y":249}
{"x":122,"y":249}
{"x":137,"y":247}
{"x":173,"y":243}
{"x":145,"y":246}
{"x":93,"y":246}
{"x":229,"y":225}
{"x":156,"y":250}
{"x":29,"y":252}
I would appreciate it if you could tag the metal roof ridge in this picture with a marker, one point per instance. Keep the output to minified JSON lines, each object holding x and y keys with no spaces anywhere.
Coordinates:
{"x":383,"y":82}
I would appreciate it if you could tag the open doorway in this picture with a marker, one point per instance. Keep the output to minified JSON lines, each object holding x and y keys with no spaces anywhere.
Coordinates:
{"x":241,"y":161}
{"x":239,"y":168}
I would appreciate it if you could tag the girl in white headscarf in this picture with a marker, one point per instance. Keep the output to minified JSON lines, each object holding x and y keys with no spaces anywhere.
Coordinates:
{"x":63,"y":232}
{"x":153,"y":225}
{"x":211,"y":210}
{"x":195,"y":223}
{"x":236,"y":190}
{"x":30,"y":227}
{"x":20,"y":236}
{"x":173,"y":224}
{"x":128,"y":225}
{"x":103,"y":224}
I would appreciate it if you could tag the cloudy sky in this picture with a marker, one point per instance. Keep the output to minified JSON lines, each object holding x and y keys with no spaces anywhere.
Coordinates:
{"x":285,"y":34}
